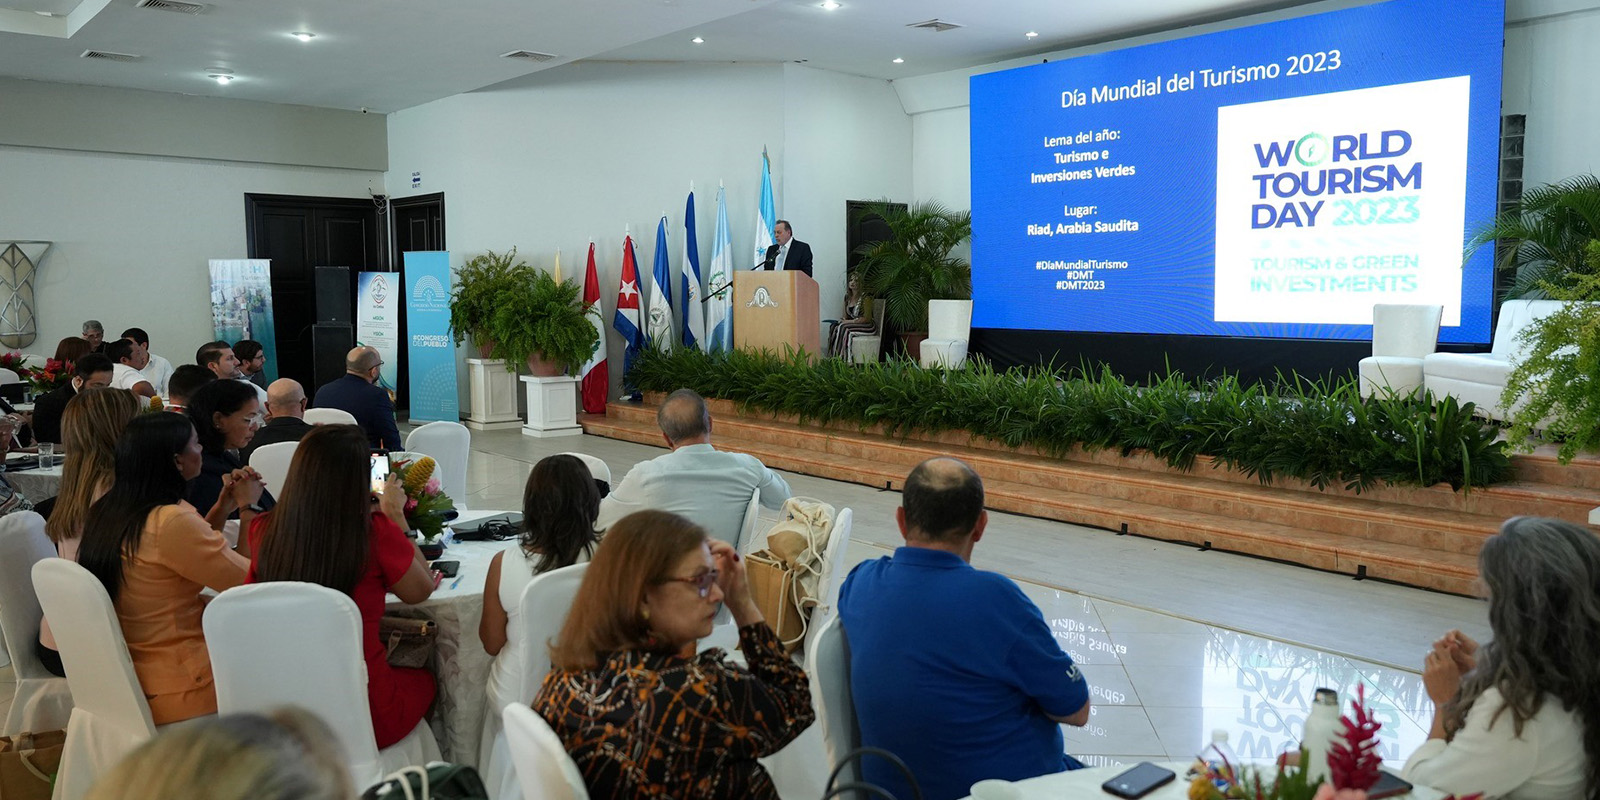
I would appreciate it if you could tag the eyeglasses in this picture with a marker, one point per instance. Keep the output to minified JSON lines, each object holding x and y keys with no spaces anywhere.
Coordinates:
{"x":702,"y":582}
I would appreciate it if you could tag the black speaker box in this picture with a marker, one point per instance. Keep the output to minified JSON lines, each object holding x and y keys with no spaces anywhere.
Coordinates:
{"x":330,"y":342}
{"x":334,"y":303}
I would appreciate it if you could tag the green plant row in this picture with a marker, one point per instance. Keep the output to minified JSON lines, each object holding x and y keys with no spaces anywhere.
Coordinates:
{"x":1317,"y":431}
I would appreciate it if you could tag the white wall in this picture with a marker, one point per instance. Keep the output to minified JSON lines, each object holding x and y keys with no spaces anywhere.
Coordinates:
{"x":133,"y":235}
{"x":577,"y":152}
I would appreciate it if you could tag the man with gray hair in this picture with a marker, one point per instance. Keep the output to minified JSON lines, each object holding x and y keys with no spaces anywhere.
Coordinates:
{"x":95,"y":334}
{"x":358,"y":394}
{"x":705,"y":485}
{"x":286,"y":412}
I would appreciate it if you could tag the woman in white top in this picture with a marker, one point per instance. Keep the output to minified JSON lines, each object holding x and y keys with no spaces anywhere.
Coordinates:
{"x":559,"y":507}
{"x":1519,"y":717}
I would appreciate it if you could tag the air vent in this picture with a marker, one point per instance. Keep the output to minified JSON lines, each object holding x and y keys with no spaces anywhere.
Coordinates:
{"x":935,"y":25}
{"x":525,"y":55}
{"x":175,"y":6}
{"x":107,"y":55}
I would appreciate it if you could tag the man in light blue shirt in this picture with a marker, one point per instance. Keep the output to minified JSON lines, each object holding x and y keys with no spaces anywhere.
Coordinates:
{"x":696,"y":481}
{"x":953,"y":669}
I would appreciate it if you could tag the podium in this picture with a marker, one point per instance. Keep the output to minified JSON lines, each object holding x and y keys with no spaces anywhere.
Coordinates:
{"x":773,"y":310}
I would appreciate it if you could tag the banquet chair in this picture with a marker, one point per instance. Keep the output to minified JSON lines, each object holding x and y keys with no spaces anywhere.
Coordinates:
{"x":543,"y":610}
{"x":9,"y":376}
{"x":833,"y":572}
{"x":828,"y":665}
{"x":544,"y":769}
{"x":109,"y":716}
{"x":448,"y":444}
{"x":329,"y":416}
{"x":1401,"y":336}
{"x":291,"y":643}
{"x":272,"y":462}
{"x":40,"y":701}
{"x":725,"y":634}
{"x":597,"y":468}
{"x":949,"y":328}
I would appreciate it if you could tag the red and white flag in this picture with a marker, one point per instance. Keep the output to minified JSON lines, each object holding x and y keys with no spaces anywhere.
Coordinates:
{"x":596,"y":376}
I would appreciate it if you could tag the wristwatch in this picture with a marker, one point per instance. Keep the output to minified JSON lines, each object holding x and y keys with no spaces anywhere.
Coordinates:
{"x":256,"y":508}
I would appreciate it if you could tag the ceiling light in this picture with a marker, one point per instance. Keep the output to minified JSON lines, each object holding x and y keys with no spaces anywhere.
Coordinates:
{"x":899,"y":61}
{"x":829,"y":5}
{"x":223,"y":79}
{"x":221,"y":75}
{"x":303,"y":36}
{"x":1032,"y":34}
{"x":698,"y":40}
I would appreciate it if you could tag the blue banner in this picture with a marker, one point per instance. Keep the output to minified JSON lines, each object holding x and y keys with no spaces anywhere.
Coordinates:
{"x":378,"y":323}
{"x":241,"y":305}
{"x":432,"y":353}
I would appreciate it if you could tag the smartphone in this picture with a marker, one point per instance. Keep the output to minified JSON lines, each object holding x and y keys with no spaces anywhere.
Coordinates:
{"x":1139,"y":781}
{"x":380,"y":471}
{"x":449,"y":568}
{"x":1388,"y":785}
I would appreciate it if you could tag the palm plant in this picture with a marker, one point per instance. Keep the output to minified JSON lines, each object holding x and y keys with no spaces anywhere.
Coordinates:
{"x":915,"y":265}
{"x":480,"y":284}
{"x":1545,"y":238}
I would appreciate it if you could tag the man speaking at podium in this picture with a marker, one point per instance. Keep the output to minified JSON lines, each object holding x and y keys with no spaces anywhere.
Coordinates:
{"x":788,"y":253}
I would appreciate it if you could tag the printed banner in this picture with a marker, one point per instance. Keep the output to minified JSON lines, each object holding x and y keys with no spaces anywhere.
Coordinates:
{"x":241,"y":305}
{"x":378,"y":322}
{"x":431,"y":352}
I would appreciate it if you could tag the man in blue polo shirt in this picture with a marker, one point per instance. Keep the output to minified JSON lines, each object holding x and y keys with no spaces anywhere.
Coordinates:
{"x":953,"y":669}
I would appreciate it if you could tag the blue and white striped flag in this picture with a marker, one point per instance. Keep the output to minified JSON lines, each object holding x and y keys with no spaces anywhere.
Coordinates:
{"x":694,"y":313}
{"x":766,"y":215}
{"x":658,"y":319}
{"x":719,"y":309}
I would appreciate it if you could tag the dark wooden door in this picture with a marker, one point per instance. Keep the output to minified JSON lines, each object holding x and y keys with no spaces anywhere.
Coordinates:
{"x":418,"y":224}
{"x":299,"y":234}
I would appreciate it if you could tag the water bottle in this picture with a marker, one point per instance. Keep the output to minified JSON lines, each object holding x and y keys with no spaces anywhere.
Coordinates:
{"x":1321,"y":727}
{"x":1220,"y":761}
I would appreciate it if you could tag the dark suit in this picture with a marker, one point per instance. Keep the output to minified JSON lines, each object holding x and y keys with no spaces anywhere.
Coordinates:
{"x":369,"y":404}
{"x":276,"y":431}
{"x":47,"y":411}
{"x":799,"y":257}
{"x":205,"y":488}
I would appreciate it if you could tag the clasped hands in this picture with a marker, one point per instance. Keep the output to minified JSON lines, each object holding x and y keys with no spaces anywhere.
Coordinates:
{"x":242,"y":488}
{"x":1452,"y":656}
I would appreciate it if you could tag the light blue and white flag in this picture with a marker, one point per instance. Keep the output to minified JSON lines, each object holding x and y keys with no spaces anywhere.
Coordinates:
{"x":694,"y":312}
{"x":719,"y":307}
{"x":766,"y":215}
{"x":658,"y":321}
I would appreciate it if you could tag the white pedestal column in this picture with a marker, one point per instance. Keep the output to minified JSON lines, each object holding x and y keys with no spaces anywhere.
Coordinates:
{"x":552,"y":406}
{"x":493,"y":396}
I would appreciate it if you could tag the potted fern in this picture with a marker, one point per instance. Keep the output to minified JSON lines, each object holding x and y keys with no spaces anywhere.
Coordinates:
{"x":915,"y":264}
{"x":1542,"y":242}
{"x":480,"y":284}
{"x":1554,"y":390}
{"x":539,"y":322}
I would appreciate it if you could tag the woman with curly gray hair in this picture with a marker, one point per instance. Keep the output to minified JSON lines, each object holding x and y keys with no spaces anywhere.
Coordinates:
{"x":1519,"y":717}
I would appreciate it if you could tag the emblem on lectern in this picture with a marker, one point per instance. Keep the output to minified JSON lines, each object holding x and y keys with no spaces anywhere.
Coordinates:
{"x":762,"y":299}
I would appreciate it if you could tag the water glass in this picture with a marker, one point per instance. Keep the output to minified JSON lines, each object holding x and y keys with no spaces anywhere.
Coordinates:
{"x":47,"y":454}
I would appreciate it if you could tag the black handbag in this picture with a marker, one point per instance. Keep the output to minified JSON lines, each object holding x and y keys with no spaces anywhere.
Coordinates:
{"x":859,"y":788}
{"x":437,"y":781}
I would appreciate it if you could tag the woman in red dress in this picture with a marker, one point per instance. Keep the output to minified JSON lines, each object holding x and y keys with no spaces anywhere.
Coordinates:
{"x":329,"y":528}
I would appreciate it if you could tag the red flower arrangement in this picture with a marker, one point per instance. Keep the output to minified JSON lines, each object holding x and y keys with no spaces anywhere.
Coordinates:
{"x":48,"y":378}
{"x":13,"y":361}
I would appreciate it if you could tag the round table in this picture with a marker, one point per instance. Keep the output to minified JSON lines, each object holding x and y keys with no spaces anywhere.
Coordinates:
{"x":1086,"y":783}
{"x":37,"y":484}
{"x":461,"y":664}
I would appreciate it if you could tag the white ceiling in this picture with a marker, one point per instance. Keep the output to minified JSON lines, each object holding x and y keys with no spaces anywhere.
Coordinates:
{"x":392,"y":54}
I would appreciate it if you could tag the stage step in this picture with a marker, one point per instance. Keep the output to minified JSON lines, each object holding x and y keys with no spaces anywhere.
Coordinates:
{"x":1425,"y":546}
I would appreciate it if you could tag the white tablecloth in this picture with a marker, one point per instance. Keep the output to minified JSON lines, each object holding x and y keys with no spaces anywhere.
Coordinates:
{"x":461,"y":664}
{"x":1084,"y":783}
{"x":37,"y":484}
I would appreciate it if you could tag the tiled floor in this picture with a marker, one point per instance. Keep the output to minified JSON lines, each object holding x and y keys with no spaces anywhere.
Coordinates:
{"x":1175,"y":642}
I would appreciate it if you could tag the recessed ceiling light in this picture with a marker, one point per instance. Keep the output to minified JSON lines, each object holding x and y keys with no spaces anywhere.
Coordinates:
{"x":223,"y":79}
{"x":698,"y":40}
{"x":899,"y":61}
{"x":221,"y":75}
{"x":829,"y":5}
{"x":1032,"y":34}
{"x":304,"y":36}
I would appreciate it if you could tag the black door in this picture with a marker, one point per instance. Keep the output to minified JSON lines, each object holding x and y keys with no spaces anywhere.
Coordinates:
{"x":418,"y":227}
{"x":298,"y":234}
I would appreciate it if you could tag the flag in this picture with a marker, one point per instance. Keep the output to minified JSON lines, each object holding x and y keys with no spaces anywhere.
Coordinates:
{"x":719,"y":308}
{"x":694,"y":313}
{"x":658,"y":325}
{"x":626,"y":320}
{"x":555,"y":271}
{"x":766,"y":215}
{"x":596,"y":375}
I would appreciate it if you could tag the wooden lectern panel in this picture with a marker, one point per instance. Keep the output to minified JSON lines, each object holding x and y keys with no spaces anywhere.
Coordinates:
{"x":774,"y":310}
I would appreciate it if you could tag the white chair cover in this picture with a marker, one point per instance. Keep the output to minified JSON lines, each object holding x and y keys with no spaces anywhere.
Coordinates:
{"x":949,"y":329}
{"x":1480,"y":378}
{"x":833,"y":561}
{"x":599,"y":469}
{"x":272,"y":461}
{"x":544,"y":769}
{"x":448,"y":443}
{"x":544,"y":604}
{"x":40,"y":701}
{"x":828,"y":664}
{"x":110,"y":716}
{"x":9,"y":376}
{"x":1402,"y":335}
{"x":725,"y":634}
{"x":329,"y":416}
{"x":291,"y":643}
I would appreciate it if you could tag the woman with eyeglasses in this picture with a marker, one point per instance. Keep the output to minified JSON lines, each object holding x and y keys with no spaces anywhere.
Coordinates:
{"x":640,"y":711}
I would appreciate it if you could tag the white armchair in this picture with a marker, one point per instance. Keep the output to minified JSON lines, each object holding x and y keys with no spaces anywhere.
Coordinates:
{"x":1479,"y":378}
{"x":949,"y":328}
{"x":1401,"y":336}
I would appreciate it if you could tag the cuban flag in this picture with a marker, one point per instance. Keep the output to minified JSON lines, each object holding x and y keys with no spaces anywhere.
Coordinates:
{"x":693,"y":322}
{"x":658,"y":323}
{"x":719,"y":308}
{"x":596,"y":375}
{"x":626,"y":320}
{"x":766,"y":215}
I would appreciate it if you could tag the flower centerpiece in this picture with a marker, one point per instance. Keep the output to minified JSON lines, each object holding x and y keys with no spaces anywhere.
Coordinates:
{"x":46,"y":379}
{"x":427,"y":506}
{"x":14,"y":362}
